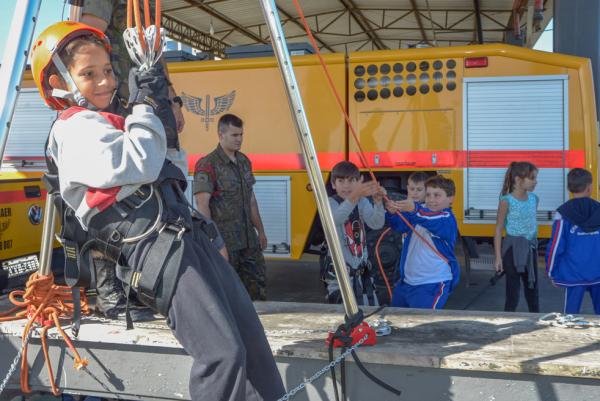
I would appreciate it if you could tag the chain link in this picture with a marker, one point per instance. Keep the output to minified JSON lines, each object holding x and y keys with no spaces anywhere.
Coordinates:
{"x":289,"y":394}
{"x":556,"y":319}
{"x":14,"y":364}
{"x":286,"y":397}
{"x":323,"y":370}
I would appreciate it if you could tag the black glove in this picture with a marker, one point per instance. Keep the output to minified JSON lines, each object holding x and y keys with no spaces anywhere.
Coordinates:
{"x":148,"y":87}
{"x":151,"y":87}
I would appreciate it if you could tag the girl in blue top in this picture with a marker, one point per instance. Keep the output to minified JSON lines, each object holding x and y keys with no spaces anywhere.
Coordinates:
{"x":516,"y":255}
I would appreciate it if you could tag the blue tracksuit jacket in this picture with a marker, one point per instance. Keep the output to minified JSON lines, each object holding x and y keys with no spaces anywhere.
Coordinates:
{"x":444,"y":231}
{"x":573,"y":256}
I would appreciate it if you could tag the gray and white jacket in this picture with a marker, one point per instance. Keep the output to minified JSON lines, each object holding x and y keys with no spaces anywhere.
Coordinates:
{"x":102,"y":158}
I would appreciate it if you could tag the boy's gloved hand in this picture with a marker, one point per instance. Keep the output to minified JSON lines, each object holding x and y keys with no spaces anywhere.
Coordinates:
{"x":151,"y":87}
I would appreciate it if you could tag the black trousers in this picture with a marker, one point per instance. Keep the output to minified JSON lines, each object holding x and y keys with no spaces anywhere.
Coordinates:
{"x":213,"y":318}
{"x":513,"y":285}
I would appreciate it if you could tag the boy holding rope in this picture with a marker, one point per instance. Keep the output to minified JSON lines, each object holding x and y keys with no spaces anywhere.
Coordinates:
{"x":351,"y":210}
{"x":428,"y":267}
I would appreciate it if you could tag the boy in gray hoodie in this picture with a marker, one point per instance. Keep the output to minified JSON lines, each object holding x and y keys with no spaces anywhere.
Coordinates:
{"x":351,"y":211}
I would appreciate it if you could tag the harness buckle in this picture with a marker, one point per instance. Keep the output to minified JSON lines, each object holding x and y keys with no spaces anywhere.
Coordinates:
{"x":175,"y":227}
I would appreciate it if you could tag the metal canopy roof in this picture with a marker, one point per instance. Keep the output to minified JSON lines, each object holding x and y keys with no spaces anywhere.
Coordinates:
{"x":345,"y":25}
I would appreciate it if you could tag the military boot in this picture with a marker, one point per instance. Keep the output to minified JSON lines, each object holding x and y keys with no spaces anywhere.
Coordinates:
{"x":111,"y":300}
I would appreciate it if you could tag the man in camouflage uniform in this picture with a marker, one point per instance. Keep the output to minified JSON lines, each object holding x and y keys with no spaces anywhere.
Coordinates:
{"x":223,"y":182}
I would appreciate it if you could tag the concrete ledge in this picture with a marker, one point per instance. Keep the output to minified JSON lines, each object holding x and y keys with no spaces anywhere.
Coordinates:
{"x":148,"y":363}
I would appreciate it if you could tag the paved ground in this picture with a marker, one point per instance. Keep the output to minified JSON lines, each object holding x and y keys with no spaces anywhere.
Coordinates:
{"x":298,"y":281}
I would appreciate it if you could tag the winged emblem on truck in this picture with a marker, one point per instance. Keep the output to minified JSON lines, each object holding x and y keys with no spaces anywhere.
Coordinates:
{"x":193,"y":104}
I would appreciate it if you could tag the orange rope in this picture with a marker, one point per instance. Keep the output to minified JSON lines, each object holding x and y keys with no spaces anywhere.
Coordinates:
{"x":361,"y":152}
{"x":42,"y":303}
{"x":157,"y":22}
{"x":147,"y":15}
{"x":138,"y":23}
{"x":133,"y":6}
{"x":381,"y":269}
{"x":129,"y":14}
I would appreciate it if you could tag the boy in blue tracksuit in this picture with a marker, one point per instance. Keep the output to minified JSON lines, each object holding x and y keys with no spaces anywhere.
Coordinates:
{"x":574,"y":251}
{"x":428,"y":271}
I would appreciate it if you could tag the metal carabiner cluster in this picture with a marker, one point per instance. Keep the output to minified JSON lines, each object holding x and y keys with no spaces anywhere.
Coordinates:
{"x":144,"y":42}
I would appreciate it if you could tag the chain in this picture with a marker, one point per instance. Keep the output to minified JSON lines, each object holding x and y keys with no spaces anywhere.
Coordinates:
{"x":289,"y":394}
{"x":283,"y":332}
{"x":566,"y":321}
{"x":14,"y":364}
{"x":323,"y":370}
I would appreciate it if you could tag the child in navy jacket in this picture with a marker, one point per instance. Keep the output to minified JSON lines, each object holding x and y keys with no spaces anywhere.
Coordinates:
{"x":574,"y":251}
{"x":428,"y":271}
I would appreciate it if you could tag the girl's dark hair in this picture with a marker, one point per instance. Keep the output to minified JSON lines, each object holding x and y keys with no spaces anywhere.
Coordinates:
{"x":516,"y":169}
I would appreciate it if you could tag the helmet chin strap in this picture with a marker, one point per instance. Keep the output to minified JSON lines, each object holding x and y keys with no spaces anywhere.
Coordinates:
{"x":73,"y":93}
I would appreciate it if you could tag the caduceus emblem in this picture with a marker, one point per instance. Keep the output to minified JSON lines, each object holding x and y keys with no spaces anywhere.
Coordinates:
{"x":193,"y":104}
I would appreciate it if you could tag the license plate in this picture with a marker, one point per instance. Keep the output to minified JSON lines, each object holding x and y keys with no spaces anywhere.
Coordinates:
{"x":21,"y":266}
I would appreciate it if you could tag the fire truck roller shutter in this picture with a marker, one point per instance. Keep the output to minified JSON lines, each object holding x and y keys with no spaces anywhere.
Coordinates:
{"x":274,"y":204}
{"x":511,"y":119}
{"x":29,"y":129}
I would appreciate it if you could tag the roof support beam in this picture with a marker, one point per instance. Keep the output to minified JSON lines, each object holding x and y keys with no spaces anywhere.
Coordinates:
{"x":478,"y":21}
{"x":419,"y":22}
{"x":363,"y":23}
{"x":222,"y":17}
{"x":186,"y":34}
{"x":299,"y":24}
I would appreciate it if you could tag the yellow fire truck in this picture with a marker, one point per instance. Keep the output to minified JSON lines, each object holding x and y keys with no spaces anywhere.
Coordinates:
{"x":464,"y":112}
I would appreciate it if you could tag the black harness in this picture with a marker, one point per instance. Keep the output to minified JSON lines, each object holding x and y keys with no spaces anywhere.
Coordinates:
{"x":142,"y":234}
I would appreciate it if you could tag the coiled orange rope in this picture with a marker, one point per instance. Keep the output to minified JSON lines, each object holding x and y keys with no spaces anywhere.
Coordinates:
{"x":43,"y":303}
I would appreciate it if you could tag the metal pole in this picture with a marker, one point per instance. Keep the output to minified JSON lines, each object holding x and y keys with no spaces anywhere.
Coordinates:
{"x":47,"y":243}
{"x":76,"y":10}
{"x":14,"y":61}
{"x":308,"y":151}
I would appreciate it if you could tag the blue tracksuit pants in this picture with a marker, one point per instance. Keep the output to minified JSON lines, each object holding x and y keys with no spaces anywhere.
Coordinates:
{"x":574,"y":298}
{"x":424,"y":296}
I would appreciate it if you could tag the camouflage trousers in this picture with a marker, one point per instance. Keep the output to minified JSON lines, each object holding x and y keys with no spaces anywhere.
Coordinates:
{"x":250,"y":266}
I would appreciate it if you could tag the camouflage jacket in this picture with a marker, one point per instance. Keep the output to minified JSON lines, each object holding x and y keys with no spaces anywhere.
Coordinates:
{"x":114,"y":12}
{"x":230,"y":185}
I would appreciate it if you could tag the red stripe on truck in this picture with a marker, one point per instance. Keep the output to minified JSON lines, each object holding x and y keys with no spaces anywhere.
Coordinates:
{"x":473,"y":158}
{"x":418,"y":159}
{"x":19,"y":196}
